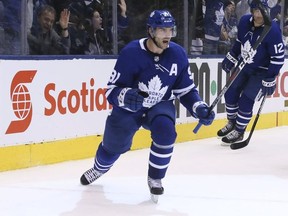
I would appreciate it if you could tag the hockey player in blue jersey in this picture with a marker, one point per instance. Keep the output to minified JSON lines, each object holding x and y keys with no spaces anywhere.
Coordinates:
{"x":148,"y":75}
{"x":258,"y":77}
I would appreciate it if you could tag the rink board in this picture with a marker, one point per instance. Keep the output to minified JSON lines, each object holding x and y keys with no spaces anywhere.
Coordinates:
{"x":23,"y":156}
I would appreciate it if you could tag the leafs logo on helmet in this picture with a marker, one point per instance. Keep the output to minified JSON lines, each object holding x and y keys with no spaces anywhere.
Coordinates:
{"x":161,"y":18}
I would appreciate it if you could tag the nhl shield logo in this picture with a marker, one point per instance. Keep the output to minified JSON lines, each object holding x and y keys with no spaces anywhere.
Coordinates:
{"x":156,"y":58}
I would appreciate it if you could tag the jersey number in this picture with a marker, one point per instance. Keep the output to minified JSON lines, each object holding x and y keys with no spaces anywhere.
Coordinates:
{"x":278,"y":48}
{"x":114,"y":76}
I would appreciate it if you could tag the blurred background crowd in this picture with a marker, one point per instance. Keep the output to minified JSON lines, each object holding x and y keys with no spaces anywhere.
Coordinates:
{"x":104,"y":27}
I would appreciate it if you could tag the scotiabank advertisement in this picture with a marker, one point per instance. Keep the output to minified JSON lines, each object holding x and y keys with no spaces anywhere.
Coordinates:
{"x":47,"y":100}
{"x":50,"y":100}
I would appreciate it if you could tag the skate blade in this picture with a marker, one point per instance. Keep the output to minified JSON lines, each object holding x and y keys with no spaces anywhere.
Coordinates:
{"x":225,"y":144}
{"x":154,"y":198}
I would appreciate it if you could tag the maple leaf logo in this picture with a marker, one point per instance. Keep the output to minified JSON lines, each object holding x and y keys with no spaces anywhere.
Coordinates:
{"x":219,"y":16}
{"x":247,"y":52}
{"x":155,"y":91}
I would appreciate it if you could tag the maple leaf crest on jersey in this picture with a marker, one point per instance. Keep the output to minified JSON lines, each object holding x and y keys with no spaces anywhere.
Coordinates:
{"x":247,"y":52}
{"x":155,"y":91}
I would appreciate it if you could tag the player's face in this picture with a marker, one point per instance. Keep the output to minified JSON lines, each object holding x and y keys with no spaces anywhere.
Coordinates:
{"x":258,"y":18}
{"x":163,"y":36}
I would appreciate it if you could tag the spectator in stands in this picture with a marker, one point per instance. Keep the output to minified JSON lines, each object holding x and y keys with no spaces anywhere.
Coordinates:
{"x":197,"y":32}
{"x":123,"y":22}
{"x":2,"y":33}
{"x":285,"y":35}
{"x":213,"y":19}
{"x":228,"y":29}
{"x":79,"y":22}
{"x":275,"y":12}
{"x":97,"y":43}
{"x":11,"y":26}
{"x":81,"y":25}
{"x":285,"y":28}
{"x":242,"y":8}
{"x":123,"y":36}
{"x":43,"y":39}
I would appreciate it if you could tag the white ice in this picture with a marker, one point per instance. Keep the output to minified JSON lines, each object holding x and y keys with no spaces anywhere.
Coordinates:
{"x":204,"y":179}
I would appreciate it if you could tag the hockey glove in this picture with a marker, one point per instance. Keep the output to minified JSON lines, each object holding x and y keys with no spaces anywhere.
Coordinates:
{"x":268,"y":86}
{"x":229,"y":62}
{"x":202,"y":112}
{"x":131,"y":99}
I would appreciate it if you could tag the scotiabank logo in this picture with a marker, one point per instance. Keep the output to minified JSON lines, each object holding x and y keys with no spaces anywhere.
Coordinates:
{"x":86,"y":99}
{"x":21,"y":101}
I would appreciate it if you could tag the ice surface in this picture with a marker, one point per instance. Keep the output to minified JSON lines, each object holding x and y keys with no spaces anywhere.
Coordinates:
{"x":204,"y":179}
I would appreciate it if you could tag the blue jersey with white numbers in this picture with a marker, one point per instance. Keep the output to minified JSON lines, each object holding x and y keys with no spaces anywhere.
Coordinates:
{"x":269,"y":56}
{"x":161,"y":76}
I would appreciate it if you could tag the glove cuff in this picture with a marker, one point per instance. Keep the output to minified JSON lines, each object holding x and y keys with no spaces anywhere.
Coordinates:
{"x":269,"y":83}
{"x":121,"y":97}
{"x":197,"y":104}
{"x":231,"y":58}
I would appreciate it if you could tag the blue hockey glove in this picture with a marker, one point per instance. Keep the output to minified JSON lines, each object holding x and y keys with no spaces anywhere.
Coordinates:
{"x":131,"y":99}
{"x":268,"y":86}
{"x":229,"y":62}
{"x":202,"y":112}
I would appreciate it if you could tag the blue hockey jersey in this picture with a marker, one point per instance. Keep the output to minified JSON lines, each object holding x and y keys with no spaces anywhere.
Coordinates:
{"x":213,"y":19}
{"x":269,"y":56}
{"x":162,"y":76}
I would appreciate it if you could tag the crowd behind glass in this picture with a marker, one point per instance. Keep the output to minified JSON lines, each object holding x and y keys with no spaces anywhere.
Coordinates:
{"x":104,"y":27}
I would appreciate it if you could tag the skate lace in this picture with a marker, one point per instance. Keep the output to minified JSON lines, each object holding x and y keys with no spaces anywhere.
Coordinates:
{"x":233,"y":134}
{"x":154,"y":183}
{"x":92,"y":174}
{"x":227,"y":127}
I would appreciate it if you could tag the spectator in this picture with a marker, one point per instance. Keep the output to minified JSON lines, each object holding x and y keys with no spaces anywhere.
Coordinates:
{"x":33,"y":8}
{"x":275,"y":12}
{"x":79,"y":22}
{"x":242,"y":8}
{"x":81,"y":26}
{"x":97,"y":43}
{"x":123,"y":36}
{"x":123,"y":22}
{"x":213,"y":19}
{"x":285,"y":28}
{"x":197,"y":28}
{"x":11,"y":26}
{"x":285,"y":35}
{"x":2,"y":33}
{"x":43,"y":39}
{"x":228,"y":28}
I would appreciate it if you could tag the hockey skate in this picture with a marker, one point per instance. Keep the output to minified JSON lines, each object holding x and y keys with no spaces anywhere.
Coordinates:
{"x":232,"y":137}
{"x":226,"y":129}
{"x":156,"y":189}
{"x":90,"y":176}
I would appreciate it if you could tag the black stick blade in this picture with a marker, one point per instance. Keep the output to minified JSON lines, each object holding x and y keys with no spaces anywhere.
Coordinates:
{"x":239,"y":145}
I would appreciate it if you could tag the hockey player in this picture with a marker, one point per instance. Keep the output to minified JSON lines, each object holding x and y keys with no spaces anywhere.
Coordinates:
{"x":147,"y":76}
{"x":257,"y":78}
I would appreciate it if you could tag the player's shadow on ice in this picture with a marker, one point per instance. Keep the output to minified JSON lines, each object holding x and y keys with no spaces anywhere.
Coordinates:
{"x":103,"y":200}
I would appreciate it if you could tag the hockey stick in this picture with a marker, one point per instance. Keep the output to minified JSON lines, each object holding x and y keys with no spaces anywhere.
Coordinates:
{"x":244,"y":143}
{"x":242,"y":62}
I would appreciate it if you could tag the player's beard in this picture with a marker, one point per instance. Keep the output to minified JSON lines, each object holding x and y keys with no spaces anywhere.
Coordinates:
{"x":162,"y":43}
